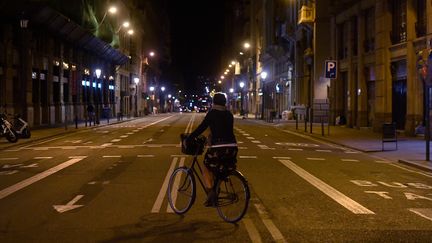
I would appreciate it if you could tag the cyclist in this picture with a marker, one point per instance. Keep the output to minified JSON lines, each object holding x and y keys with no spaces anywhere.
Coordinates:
{"x":223,"y":144}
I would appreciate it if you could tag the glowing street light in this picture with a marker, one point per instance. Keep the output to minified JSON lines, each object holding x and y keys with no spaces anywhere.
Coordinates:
{"x":246,"y":45}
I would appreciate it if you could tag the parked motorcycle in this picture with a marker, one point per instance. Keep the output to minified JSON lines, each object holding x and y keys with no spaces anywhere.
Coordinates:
{"x":7,"y":129}
{"x":21,"y":127}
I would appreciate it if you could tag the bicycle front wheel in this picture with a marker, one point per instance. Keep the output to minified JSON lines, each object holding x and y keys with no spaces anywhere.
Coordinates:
{"x":233,"y":197}
{"x":181,"y":190}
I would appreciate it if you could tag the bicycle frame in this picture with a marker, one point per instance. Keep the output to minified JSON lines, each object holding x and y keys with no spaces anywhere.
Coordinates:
{"x":194,"y":171}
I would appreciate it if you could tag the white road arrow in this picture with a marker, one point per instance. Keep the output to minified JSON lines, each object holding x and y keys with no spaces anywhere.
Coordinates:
{"x":11,"y":166}
{"x":69,"y":206}
{"x":30,"y":166}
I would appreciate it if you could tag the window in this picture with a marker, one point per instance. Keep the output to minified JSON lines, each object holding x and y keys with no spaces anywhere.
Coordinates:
{"x":369,"y":42}
{"x":420,"y":25}
{"x":399,"y":28}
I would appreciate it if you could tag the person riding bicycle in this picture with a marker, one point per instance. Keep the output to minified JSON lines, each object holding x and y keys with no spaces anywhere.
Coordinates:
{"x":223,"y":144}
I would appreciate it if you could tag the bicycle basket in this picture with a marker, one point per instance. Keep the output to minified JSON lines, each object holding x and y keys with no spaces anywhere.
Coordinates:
{"x":194,"y":146}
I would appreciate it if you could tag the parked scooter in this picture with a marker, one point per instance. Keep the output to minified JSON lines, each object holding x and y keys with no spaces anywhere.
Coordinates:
{"x":21,"y":127}
{"x":7,"y":130}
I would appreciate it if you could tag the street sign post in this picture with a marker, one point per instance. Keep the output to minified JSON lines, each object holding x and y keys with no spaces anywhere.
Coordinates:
{"x":331,"y":69}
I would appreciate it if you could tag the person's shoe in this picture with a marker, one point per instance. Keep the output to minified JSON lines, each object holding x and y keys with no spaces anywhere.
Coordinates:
{"x":211,"y":199}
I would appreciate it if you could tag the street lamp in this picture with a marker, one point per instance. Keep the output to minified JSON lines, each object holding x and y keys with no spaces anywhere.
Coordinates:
{"x":136,"y":80}
{"x":242,"y":84}
{"x":162,"y":99}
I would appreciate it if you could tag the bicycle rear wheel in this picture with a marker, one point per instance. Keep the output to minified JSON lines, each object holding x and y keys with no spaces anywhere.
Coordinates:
{"x":233,"y":197}
{"x":181,"y":190}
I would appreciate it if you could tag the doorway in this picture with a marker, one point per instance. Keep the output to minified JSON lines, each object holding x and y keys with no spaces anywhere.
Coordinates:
{"x":399,"y":103}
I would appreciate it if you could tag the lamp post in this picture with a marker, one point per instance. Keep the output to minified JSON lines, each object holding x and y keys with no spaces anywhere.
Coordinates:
{"x":98,"y":89}
{"x":162,"y":99}
{"x":242,"y":84}
{"x":263,"y":77}
{"x":136,"y":80}
{"x":151,"y":98}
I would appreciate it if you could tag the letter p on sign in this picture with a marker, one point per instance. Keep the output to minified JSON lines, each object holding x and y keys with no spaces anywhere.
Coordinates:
{"x":331,"y":69}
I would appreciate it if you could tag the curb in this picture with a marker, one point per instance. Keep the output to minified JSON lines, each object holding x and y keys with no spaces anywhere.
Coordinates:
{"x":416,"y":165}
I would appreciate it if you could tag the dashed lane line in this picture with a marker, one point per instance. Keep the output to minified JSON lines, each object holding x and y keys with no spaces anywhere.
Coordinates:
{"x":323,"y":150}
{"x":271,"y":227}
{"x":42,"y":157}
{"x":158,"y":203}
{"x":315,"y":158}
{"x":111,"y":156}
{"x":145,"y":156}
{"x":115,"y":140}
{"x":334,"y":194}
{"x":255,"y":141}
{"x":295,"y":149}
{"x":350,"y":160}
{"x":247,"y":157}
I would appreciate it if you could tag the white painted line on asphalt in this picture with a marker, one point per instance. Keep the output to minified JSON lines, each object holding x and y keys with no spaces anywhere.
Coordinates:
{"x":40,"y":149}
{"x":350,"y":160}
{"x":111,"y":156}
{"x":382,"y":161}
{"x":295,"y":149}
{"x":116,"y":140}
{"x":334,"y":194}
{"x":252,"y":230}
{"x":351,"y":152}
{"x":8,"y":172}
{"x":126,"y":146}
{"x":30,"y":166}
{"x":323,"y":150}
{"x":69,"y":147}
{"x":315,"y":158}
{"x":124,"y":136}
{"x":240,"y":142}
{"x":242,"y":147}
{"x":246,"y":134}
{"x":130,"y":133}
{"x":410,"y":170}
{"x":8,"y":158}
{"x":145,"y":156}
{"x":106,"y":144}
{"x":281,"y":157}
{"x":42,"y":157}
{"x":176,"y":185}
{"x":250,"y":138}
{"x":255,"y":141}
{"x":20,"y":185}
{"x":158,"y":203}
{"x":154,"y":146}
{"x":271,"y":227}
{"x":247,"y":157}
{"x":422,"y":212}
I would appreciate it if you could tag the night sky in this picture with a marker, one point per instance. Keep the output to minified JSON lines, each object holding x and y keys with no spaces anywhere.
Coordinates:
{"x":196,"y":38}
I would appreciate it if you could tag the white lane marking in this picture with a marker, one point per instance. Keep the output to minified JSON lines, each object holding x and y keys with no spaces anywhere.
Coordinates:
{"x":42,"y":157}
{"x":281,"y":157}
{"x":115,"y":140}
{"x":410,"y":170}
{"x":250,"y":138}
{"x":158,"y":203}
{"x":382,"y":161}
{"x":255,"y":141}
{"x":20,"y":185}
{"x":261,"y":146}
{"x":252,"y":230}
{"x":111,"y":156}
{"x":271,"y":227}
{"x":124,"y":136}
{"x":154,"y":146}
{"x":423,"y":212}
{"x":130,"y":133}
{"x":247,"y":157}
{"x":145,"y":156}
{"x":351,"y":152}
{"x":350,"y":160}
{"x":315,"y":158}
{"x":69,"y":147}
{"x":8,"y":172}
{"x":69,"y":206}
{"x":8,"y":158}
{"x":242,"y":147}
{"x":295,"y":149}
{"x":30,"y":166}
{"x":40,"y":149}
{"x":6,"y":166}
{"x":106,"y":144}
{"x":323,"y":150}
{"x":125,"y":146}
{"x":334,"y":194}
{"x":176,"y":185}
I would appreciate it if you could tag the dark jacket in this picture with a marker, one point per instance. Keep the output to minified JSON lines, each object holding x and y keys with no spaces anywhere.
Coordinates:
{"x":221,"y":123}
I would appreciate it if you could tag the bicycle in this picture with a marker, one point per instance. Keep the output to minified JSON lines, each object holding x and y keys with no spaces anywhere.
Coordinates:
{"x":230,"y":185}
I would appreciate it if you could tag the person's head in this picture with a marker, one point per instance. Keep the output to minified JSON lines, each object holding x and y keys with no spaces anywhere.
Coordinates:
{"x":219,"y":99}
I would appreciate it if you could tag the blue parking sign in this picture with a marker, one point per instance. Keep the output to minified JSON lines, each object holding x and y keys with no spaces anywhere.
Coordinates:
{"x":330,"y":69}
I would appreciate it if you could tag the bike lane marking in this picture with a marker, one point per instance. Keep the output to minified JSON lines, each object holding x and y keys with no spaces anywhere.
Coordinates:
{"x":158,"y":203}
{"x":271,"y":227}
{"x":422,"y":212}
{"x":27,"y":182}
{"x":252,"y":230}
{"x":334,"y":194}
{"x":176,"y":185}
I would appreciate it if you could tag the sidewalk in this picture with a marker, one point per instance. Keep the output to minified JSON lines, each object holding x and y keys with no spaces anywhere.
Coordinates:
{"x":41,"y":133}
{"x":411,"y":150}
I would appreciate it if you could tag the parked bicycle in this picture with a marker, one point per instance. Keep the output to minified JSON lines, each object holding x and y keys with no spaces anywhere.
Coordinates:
{"x":230,"y":185}
{"x":7,"y":129}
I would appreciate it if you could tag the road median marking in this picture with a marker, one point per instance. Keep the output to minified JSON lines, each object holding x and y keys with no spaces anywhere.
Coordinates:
{"x":334,"y":194}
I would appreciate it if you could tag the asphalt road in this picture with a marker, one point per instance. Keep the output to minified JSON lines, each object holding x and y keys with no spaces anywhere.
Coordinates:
{"x":106,"y":185}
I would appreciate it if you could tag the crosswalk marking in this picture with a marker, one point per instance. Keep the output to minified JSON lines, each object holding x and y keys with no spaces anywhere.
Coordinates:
{"x":422,"y":212}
